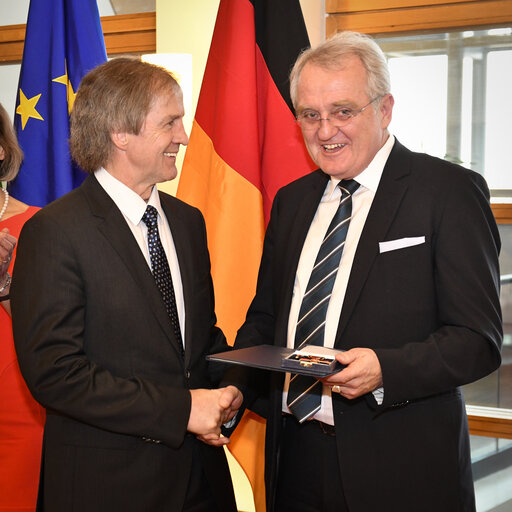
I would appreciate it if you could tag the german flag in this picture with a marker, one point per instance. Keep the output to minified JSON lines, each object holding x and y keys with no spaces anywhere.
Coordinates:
{"x":244,"y":146}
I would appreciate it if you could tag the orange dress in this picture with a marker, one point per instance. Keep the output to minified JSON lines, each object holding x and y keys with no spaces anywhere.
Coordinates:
{"x":21,"y":417}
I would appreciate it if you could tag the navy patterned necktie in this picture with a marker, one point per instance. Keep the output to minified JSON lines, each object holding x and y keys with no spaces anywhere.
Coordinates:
{"x":161,"y":271}
{"x":305,"y":393}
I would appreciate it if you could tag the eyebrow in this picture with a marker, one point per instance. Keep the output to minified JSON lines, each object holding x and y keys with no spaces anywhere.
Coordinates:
{"x":167,"y":119}
{"x":336,"y":104}
{"x":345,"y":104}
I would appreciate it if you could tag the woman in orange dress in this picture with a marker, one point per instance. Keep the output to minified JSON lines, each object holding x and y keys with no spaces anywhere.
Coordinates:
{"x":21,"y":417}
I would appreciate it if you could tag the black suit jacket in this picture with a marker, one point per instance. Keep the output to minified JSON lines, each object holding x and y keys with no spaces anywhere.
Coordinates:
{"x":431,"y":312}
{"x":96,"y":348}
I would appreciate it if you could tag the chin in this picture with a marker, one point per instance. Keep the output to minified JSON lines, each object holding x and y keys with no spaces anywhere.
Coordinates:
{"x":331,"y":166}
{"x":335,"y":172}
{"x":171,"y":174}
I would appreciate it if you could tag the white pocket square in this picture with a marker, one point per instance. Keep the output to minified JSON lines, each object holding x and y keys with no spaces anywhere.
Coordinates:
{"x":401,"y":243}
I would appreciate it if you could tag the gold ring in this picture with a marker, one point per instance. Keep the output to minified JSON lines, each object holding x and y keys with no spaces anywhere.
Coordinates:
{"x":336,"y":389}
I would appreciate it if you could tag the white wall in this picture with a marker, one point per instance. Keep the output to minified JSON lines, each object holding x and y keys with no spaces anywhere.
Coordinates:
{"x":314,"y":16}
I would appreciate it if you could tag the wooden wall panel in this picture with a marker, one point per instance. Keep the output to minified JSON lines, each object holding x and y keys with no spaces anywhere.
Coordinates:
{"x":500,"y":428}
{"x":502,"y":212}
{"x":333,"y":6}
{"x":12,"y":38}
{"x":379,"y":17}
{"x":128,"y":33}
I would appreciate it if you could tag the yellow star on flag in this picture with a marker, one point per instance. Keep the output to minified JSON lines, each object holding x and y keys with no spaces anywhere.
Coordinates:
{"x":64,"y":79}
{"x":27,"y":109}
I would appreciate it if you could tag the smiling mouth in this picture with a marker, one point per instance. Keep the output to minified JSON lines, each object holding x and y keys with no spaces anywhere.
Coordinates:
{"x":332,"y":147}
{"x":170,"y":154}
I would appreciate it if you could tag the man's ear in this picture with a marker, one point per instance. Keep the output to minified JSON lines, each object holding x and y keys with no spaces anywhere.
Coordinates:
{"x":120,"y":140}
{"x":386,"y":109}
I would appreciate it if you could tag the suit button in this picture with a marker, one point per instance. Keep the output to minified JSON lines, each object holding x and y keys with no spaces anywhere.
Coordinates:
{"x":187,"y":373}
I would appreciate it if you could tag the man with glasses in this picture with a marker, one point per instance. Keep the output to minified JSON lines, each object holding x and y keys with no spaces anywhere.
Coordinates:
{"x":392,"y":257}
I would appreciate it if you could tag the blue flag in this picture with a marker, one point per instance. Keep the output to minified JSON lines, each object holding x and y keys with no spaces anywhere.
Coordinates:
{"x":63,"y":42}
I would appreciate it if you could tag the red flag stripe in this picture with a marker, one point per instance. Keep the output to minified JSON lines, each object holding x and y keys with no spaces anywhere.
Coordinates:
{"x":247,"y":117}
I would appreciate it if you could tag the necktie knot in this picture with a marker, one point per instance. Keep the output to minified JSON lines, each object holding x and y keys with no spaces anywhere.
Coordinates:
{"x":150,"y":216}
{"x":348,"y":186}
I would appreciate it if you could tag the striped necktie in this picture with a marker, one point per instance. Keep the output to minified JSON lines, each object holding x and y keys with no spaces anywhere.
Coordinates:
{"x":161,"y":271}
{"x":305,"y":393}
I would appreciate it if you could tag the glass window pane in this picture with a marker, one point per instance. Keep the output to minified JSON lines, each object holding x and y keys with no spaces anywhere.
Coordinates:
{"x":430,"y":75}
{"x":495,"y":390}
{"x":453,"y":98}
{"x":498,"y":135}
{"x":492,"y":473}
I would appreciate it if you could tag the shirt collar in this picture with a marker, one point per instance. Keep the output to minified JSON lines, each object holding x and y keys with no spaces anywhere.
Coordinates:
{"x":370,"y":177}
{"x":129,"y":202}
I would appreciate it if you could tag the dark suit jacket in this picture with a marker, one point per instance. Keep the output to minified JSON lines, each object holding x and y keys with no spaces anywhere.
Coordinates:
{"x":431,"y":312}
{"x":96,"y":348}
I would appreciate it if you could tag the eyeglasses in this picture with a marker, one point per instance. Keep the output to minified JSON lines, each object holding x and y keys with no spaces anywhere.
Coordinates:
{"x":310,"y":119}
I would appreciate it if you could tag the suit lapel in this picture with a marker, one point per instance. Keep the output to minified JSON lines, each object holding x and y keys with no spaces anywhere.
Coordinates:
{"x":114,"y":228}
{"x":390,"y":192}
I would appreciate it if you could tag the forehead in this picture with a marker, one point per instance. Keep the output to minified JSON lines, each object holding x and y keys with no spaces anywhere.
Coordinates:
{"x":167,"y":103}
{"x":320,"y":84}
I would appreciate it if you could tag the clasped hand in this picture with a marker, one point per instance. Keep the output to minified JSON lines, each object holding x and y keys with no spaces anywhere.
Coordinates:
{"x":210,"y":409}
{"x":361,"y":375}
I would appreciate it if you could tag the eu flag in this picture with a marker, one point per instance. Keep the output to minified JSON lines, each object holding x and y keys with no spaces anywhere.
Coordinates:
{"x":63,"y":42}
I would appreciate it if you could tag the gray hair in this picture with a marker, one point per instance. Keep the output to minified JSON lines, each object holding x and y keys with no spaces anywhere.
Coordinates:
{"x":332,"y":53}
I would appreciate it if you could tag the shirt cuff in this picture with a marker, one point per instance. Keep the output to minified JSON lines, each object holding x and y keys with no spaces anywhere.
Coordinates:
{"x":231,"y":422}
{"x":378,"y":394}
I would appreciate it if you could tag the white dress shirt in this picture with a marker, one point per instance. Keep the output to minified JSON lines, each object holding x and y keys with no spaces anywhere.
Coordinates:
{"x":361,"y":202}
{"x":133,"y":207}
